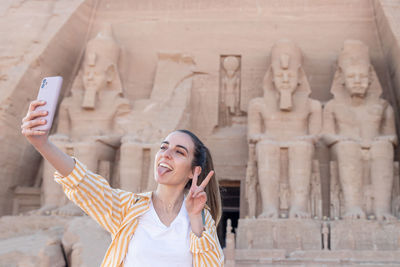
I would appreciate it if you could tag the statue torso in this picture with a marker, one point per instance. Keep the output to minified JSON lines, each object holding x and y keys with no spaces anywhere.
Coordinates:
{"x":91,"y":122}
{"x":361,"y":121}
{"x":286,"y":125}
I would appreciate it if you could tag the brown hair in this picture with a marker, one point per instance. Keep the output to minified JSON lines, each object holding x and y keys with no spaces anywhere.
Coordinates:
{"x":202,"y":158}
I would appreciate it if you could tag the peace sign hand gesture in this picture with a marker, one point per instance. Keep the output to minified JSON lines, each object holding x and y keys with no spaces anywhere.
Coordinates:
{"x":197,"y":198}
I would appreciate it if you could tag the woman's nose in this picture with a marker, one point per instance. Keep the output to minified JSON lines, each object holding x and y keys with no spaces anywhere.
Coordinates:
{"x":167,"y":153}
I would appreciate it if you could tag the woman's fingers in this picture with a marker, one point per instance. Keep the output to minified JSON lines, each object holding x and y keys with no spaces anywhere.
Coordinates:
{"x":207,"y":179}
{"x":35,"y":103}
{"x":196,"y":190}
{"x":28,"y":125}
{"x":32,"y":123}
{"x":197,"y":171}
{"x":34,"y":114}
{"x":200,"y":195}
{"x":29,"y":132}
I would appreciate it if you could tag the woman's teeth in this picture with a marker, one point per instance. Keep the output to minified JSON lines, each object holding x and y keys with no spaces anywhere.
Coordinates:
{"x":165,"y":166}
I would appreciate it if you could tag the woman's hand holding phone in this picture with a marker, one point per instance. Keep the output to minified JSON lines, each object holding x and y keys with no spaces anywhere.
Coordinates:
{"x":37,"y":123}
{"x":33,"y":119}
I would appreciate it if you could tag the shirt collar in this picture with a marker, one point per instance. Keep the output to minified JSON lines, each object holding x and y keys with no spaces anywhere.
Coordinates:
{"x":145,"y":194}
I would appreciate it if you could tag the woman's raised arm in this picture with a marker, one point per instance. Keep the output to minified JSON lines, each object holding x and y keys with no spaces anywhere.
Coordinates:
{"x":63,"y":163}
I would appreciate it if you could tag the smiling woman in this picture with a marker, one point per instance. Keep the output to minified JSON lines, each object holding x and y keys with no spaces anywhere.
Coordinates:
{"x":172,"y":226}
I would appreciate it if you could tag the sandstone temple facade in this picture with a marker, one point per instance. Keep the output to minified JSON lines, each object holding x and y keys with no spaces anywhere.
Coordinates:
{"x":298,"y":102}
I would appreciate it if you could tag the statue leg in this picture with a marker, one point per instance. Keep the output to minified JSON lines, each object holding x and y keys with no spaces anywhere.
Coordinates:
{"x":131,"y":166}
{"x":52,"y":193}
{"x":382,"y":156}
{"x":268,"y":158}
{"x":350,"y":175}
{"x":149,"y":176}
{"x":300,"y":166}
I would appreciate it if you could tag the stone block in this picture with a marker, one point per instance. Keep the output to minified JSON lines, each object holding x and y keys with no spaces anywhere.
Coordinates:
{"x":287,"y":234}
{"x":365,"y":235}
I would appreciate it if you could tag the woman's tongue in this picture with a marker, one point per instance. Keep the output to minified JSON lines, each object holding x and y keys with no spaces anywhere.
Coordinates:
{"x":162,"y":170}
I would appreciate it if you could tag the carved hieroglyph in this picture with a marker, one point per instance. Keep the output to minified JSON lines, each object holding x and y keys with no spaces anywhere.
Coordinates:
{"x":152,"y":119}
{"x":359,"y":126}
{"x":230,"y":89}
{"x":284,"y":125}
{"x":87,"y":118}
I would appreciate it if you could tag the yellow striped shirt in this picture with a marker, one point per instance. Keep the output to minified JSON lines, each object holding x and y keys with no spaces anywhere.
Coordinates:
{"x":118,"y":211}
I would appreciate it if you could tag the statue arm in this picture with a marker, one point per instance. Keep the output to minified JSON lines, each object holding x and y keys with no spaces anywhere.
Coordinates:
{"x":388,"y":127}
{"x":123,"y":107}
{"x":63,"y":123}
{"x":315,"y":120}
{"x":254,"y":121}
{"x":329,"y":135}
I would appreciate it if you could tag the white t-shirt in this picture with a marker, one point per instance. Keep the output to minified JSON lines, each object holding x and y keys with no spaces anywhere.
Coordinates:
{"x":155,"y":245}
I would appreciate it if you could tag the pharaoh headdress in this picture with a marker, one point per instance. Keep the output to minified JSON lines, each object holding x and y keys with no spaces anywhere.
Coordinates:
{"x":354,"y":52}
{"x":286,"y":54}
{"x":103,"y":50}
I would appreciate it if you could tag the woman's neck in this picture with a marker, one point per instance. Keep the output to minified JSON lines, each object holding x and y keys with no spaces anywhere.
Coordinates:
{"x":169,"y":198}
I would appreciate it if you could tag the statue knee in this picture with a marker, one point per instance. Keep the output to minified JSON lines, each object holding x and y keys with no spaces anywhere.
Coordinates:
{"x":85,"y":146}
{"x":303,"y":147}
{"x":267,"y":148}
{"x":348,"y":149}
{"x":382,"y":149}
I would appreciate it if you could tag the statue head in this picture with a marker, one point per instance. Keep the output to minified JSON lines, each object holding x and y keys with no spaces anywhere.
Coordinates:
{"x":355,"y":68}
{"x":231,"y":64}
{"x":286,"y":62}
{"x":99,"y":66}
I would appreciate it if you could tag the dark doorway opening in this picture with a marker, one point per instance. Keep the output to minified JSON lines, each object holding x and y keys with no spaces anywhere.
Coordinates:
{"x":230,"y":194}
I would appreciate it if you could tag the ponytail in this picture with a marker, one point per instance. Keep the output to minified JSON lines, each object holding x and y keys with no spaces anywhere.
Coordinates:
{"x":202,"y":158}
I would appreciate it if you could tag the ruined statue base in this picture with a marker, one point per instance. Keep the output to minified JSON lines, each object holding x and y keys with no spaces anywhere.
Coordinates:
{"x":276,"y":242}
{"x":281,"y":234}
{"x":365,"y":235}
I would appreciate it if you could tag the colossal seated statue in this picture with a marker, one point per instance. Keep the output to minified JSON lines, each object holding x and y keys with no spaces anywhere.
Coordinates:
{"x":285,"y":121}
{"x":86,"y":121}
{"x":359,"y":127}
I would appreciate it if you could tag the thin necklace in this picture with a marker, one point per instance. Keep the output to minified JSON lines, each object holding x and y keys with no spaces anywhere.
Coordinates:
{"x":167,"y":207}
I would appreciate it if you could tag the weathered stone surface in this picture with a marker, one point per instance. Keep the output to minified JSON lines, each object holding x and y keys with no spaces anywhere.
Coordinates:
{"x":42,"y":248}
{"x":13,"y":226}
{"x":279,"y":234}
{"x":52,"y":42}
{"x":40,"y":38}
{"x":365,"y":235}
{"x":85,"y":242}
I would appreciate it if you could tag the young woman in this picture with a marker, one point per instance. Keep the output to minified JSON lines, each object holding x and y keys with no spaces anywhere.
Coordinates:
{"x":171,"y":226}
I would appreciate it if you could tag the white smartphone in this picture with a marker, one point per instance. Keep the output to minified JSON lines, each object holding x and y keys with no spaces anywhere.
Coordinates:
{"x":49,"y":91}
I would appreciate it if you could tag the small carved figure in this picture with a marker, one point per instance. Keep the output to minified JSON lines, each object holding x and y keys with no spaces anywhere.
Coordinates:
{"x":325,"y":235}
{"x":230,"y":85}
{"x":229,"y":250}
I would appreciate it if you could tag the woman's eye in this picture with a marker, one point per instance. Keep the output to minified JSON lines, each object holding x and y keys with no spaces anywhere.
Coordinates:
{"x":163,"y":147}
{"x":180,"y":152}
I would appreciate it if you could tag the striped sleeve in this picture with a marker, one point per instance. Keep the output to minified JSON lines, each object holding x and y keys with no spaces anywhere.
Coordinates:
{"x":206,"y":249}
{"x":95,"y":197}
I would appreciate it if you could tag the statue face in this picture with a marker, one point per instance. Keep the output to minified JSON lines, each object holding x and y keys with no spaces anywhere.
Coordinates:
{"x":356,"y":79}
{"x":93,"y":75}
{"x":285,"y":80}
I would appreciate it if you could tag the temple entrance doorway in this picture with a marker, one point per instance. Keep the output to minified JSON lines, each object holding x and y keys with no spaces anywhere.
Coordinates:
{"x":230,"y":195}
